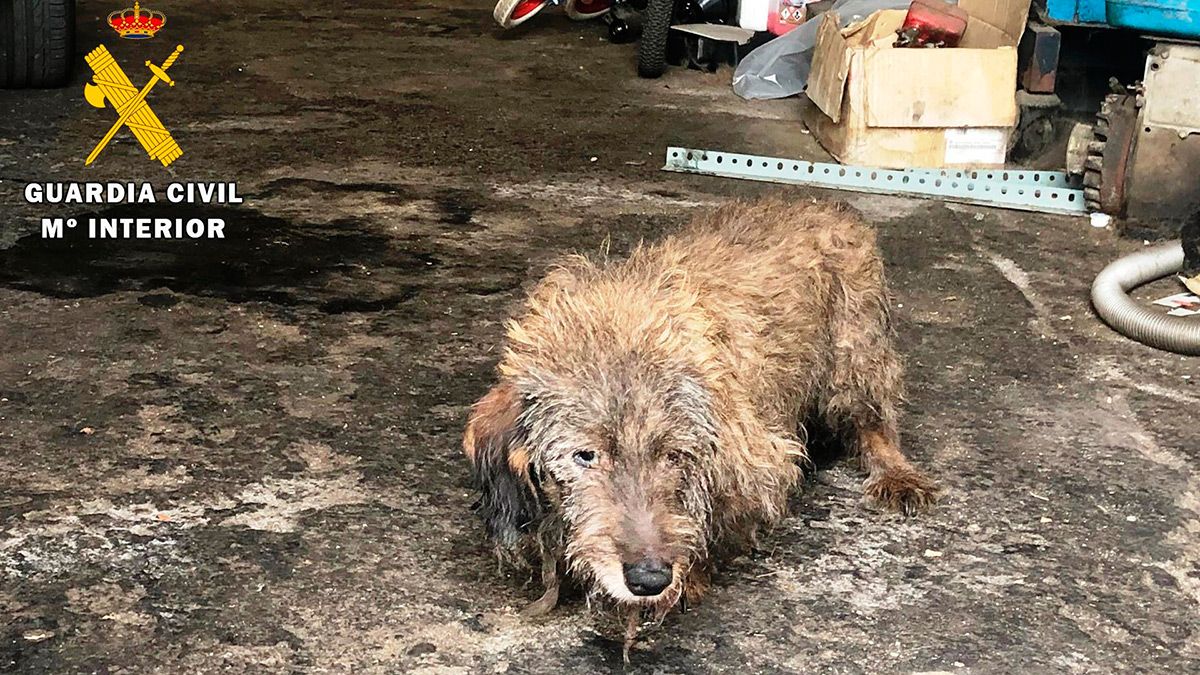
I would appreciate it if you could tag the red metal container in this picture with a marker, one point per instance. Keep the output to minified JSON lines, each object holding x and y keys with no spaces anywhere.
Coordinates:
{"x":932,"y":23}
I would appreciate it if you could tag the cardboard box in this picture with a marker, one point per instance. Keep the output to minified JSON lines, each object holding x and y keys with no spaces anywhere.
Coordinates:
{"x":897,"y":108}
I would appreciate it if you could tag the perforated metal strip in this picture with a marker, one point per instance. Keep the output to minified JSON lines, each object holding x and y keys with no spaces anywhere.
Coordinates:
{"x":1048,"y":191}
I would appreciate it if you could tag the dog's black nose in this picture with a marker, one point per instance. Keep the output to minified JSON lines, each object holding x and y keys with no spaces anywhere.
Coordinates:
{"x":647,"y":576}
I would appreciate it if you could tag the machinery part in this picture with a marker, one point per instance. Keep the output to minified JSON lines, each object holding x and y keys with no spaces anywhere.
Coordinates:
{"x":1075,"y":11}
{"x":1109,"y":297}
{"x":37,"y":42}
{"x":1035,"y":124}
{"x":1126,"y":170}
{"x":1161,"y":186}
{"x":1172,"y":98}
{"x":1156,"y":17}
{"x":1107,"y":161}
{"x":1034,"y":134}
{"x":1077,"y":148}
{"x":1037,"y":58}
{"x":1046,"y":191}
{"x":710,"y":11}
{"x":619,"y":30}
{"x":652,"y":49}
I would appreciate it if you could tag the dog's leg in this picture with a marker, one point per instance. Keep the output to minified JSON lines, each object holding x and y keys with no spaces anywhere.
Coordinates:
{"x":551,"y":584}
{"x":892,"y":481}
{"x":865,"y":389}
{"x":863,"y":407}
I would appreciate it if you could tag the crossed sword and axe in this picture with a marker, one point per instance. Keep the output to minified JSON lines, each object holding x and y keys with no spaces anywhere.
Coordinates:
{"x":166,"y":149}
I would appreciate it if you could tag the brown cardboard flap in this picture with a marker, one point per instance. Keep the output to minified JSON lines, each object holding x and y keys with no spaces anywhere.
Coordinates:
{"x":831,"y":65}
{"x":854,"y":27}
{"x":1007,"y":15}
{"x":940,"y":87}
{"x":983,"y":35}
{"x":877,"y":30}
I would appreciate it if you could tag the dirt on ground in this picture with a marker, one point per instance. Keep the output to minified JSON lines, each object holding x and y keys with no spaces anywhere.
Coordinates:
{"x":242,"y":455}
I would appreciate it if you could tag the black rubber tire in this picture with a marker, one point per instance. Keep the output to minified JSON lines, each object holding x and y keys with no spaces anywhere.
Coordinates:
{"x":37,"y":42}
{"x":652,"y":50}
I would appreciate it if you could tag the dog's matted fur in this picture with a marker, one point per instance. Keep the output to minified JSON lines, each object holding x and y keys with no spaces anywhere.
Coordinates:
{"x":649,"y":413}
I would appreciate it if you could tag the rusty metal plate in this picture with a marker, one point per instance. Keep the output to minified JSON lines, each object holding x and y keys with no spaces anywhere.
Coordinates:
{"x":1162,"y":182}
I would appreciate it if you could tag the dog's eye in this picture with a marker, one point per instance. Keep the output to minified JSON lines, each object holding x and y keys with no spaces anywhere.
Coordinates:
{"x":585,"y":458}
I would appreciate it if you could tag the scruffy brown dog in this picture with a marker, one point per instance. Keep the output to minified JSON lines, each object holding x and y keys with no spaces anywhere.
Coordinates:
{"x":649,"y":413}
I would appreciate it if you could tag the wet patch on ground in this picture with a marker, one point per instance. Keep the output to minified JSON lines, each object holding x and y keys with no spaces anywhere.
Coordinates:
{"x":337,"y":267}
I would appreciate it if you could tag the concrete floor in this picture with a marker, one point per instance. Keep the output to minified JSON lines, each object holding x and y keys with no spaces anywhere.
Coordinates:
{"x":242,"y":456}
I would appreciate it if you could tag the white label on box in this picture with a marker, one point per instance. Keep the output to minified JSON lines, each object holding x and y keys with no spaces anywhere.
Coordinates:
{"x":975,"y":146}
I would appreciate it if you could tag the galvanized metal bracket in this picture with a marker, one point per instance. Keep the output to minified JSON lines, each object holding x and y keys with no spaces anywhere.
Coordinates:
{"x":1046,"y":191}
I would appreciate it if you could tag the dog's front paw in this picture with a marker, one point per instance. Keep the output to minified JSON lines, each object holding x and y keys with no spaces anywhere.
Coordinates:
{"x":904,"y":491}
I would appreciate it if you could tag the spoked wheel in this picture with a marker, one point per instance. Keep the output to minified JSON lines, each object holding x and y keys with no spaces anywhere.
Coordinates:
{"x":652,"y":50}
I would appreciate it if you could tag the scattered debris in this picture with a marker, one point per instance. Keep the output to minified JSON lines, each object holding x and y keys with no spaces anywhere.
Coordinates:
{"x":1181,"y":304}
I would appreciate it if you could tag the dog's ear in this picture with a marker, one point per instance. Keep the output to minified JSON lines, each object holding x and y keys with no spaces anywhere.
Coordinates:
{"x":495,"y":445}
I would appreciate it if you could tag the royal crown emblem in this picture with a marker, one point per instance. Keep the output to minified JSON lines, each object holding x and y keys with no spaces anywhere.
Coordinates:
{"x":136,"y":24}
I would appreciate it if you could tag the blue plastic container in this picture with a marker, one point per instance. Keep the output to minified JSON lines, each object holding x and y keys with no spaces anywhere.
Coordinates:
{"x":1158,"y":17}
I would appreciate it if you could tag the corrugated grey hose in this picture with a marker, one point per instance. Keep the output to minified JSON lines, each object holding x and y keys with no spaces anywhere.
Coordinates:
{"x":1109,"y":297}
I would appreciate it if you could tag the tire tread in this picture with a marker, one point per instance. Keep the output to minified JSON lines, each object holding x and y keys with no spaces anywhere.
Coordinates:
{"x":37,"y":42}
{"x":652,"y":49}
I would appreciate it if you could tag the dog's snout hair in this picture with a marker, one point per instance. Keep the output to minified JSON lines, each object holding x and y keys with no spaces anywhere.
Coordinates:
{"x":645,"y":518}
{"x":649,"y":413}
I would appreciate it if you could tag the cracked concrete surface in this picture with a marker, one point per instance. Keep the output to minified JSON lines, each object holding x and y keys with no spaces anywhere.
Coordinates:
{"x":243,"y":456}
